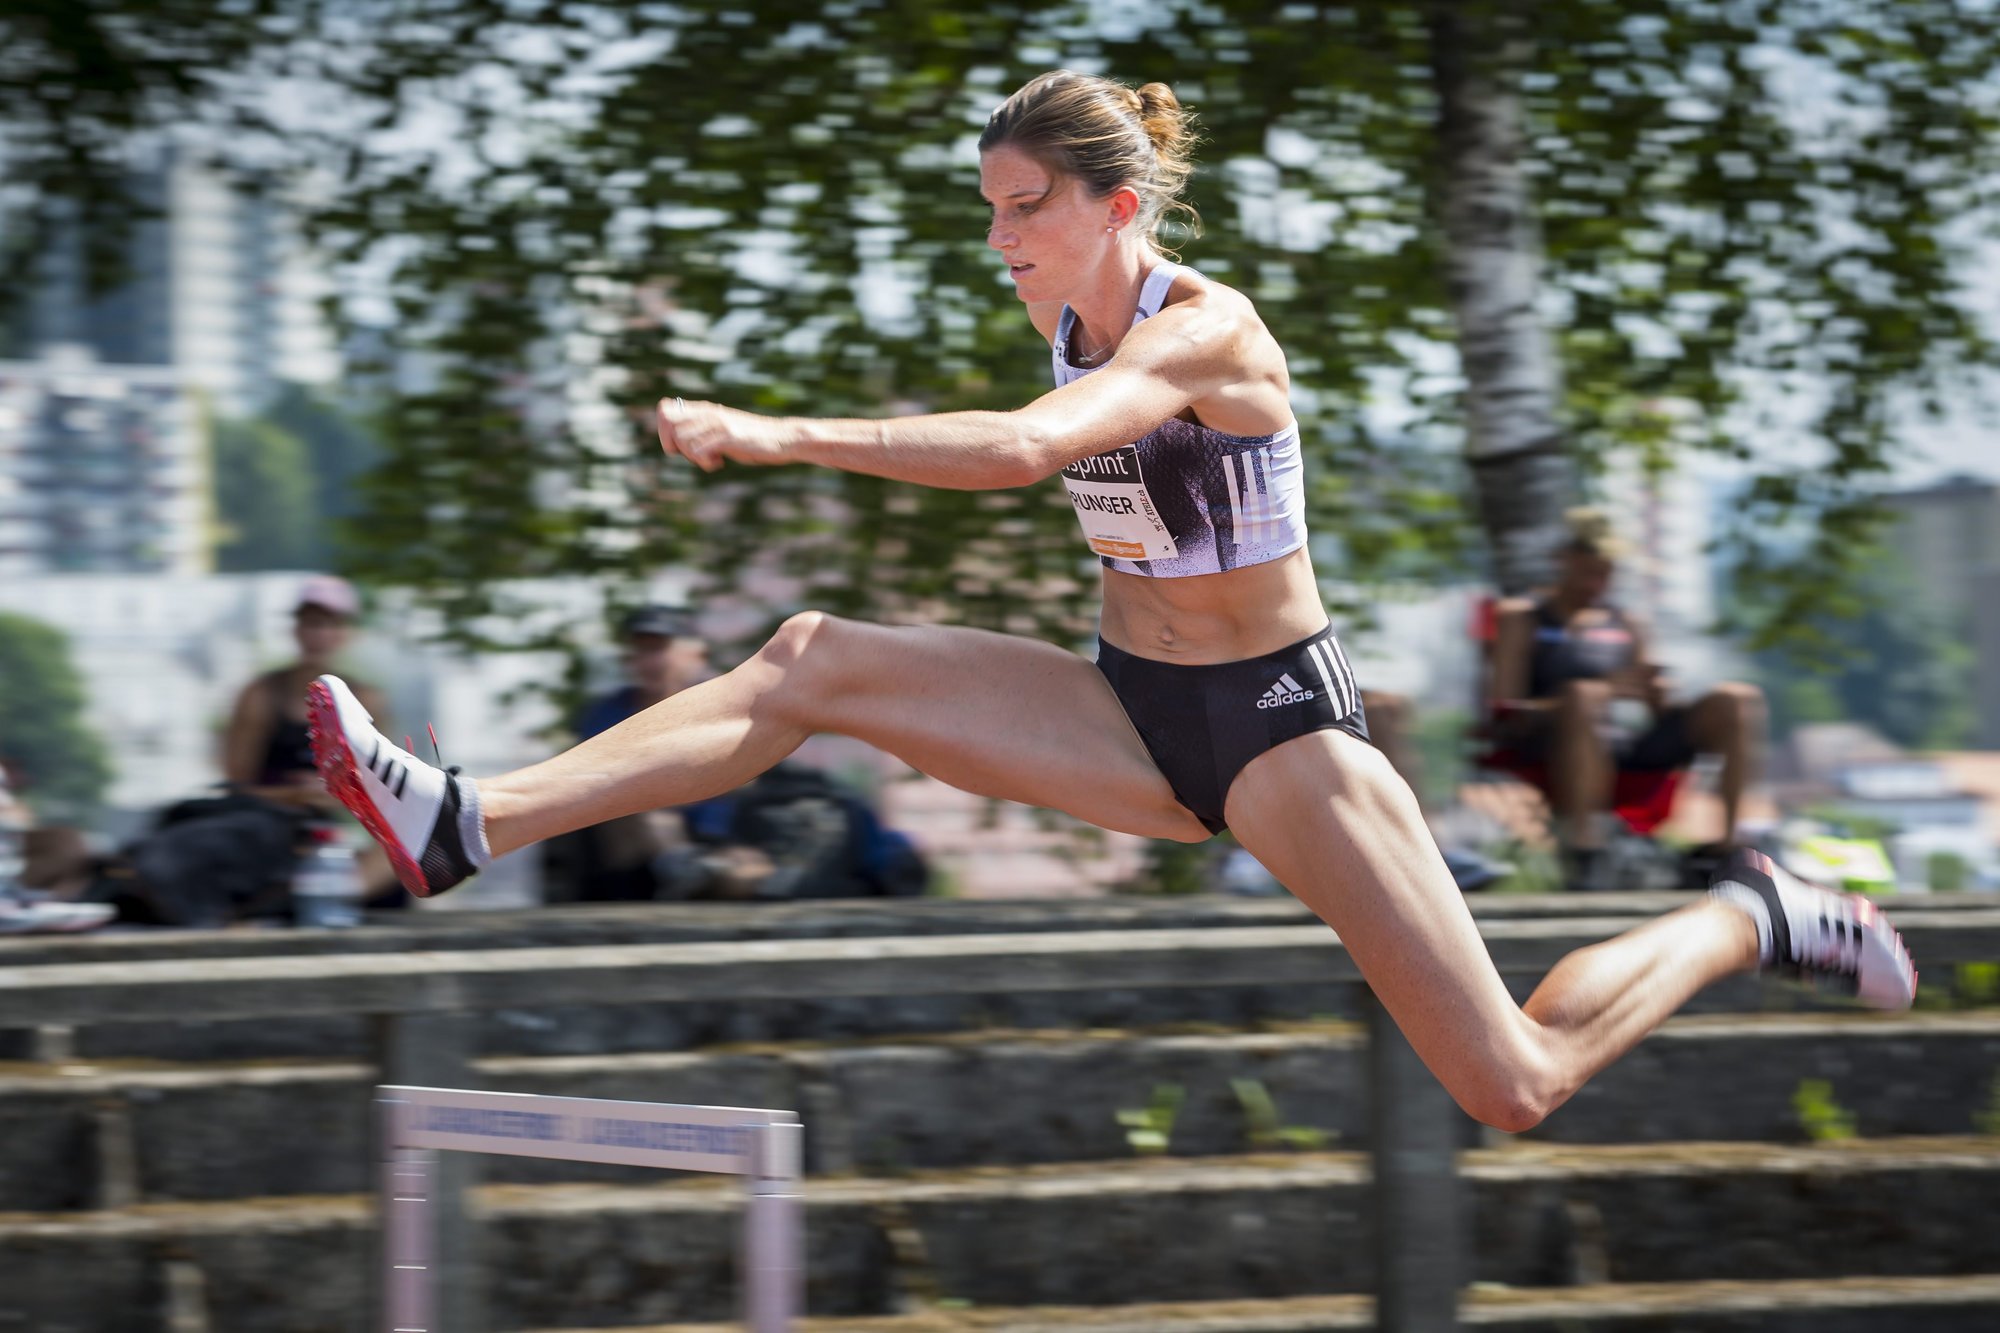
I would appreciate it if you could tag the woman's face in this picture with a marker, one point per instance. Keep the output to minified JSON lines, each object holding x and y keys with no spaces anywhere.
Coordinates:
{"x":321,"y":633}
{"x":1048,"y":228}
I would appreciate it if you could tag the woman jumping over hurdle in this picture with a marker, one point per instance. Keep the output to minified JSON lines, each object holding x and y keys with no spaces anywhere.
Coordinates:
{"x":1220,"y":697}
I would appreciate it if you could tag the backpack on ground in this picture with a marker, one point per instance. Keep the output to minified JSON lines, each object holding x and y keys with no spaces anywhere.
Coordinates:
{"x":207,"y":862}
{"x":823,"y":840}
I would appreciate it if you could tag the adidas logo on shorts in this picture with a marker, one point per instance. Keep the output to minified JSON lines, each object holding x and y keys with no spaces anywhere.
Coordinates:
{"x":1286,"y":691}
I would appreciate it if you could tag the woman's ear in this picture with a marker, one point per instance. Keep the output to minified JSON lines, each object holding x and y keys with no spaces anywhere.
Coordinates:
{"x":1124,"y":206}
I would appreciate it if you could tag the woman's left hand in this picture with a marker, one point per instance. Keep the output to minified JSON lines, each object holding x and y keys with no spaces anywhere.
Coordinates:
{"x":708,"y":434}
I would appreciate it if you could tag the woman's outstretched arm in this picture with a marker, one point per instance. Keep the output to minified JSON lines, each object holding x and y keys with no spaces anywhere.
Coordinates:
{"x":1166,"y":363}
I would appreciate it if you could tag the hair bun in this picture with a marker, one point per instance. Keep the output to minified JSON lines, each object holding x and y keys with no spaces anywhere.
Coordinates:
{"x":1167,"y":125}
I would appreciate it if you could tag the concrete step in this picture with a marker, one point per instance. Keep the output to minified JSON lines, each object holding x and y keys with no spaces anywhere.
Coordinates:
{"x":666,"y":923}
{"x":524,"y":1023}
{"x":1830,"y":1305}
{"x":74,"y":1135}
{"x":581,"y":1030}
{"x":1104,"y":1235}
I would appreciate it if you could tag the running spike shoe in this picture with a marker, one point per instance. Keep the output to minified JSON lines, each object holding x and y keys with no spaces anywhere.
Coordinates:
{"x":1836,"y":942}
{"x":416,"y":810}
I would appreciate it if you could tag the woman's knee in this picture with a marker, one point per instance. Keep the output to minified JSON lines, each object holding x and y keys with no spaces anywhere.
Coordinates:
{"x":797,"y":636}
{"x":1512,"y":1091}
{"x":801,"y":656}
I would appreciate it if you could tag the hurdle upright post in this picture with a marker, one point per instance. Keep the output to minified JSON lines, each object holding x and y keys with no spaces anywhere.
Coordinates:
{"x":409,"y":1225}
{"x":1419,"y":1200}
{"x":773,"y":1267}
{"x":434,"y":1049}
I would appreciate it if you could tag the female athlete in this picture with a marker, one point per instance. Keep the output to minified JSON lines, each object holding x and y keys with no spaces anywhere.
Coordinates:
{"x":1219,"y":698}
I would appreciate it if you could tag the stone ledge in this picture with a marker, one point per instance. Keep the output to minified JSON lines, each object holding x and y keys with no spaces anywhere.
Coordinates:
{"x":1516,"y":1162}
{"x":1947,"y":1305}
{"x":580,"y":924}
{"x":1116,"y":1234}
{"x":811,"y":969}
{"x":885,"y":1107}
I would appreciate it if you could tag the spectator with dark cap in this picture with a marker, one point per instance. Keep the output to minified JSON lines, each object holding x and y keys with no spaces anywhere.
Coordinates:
{"x":663,"y":655}
{"x":653,"y":854}
{"x":793,"y":832}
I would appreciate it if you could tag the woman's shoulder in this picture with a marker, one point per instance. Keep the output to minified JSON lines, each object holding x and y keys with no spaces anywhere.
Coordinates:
{"x":1223,"y":317}
{"x":1224,"y":326}
{"x":266,"y":684}
{"x":1192,"y":287}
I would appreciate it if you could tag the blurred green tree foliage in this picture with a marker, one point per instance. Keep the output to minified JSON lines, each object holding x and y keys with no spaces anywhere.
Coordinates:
{"x":1747,"y":214}
{"x":265,"y":503}
{"x":82,"y":81}
{"x":339,"y":451}
{"x":1879,"y":654}
{"x":776,"y":208}
{"x":63,"y":765}
{"x":286,"y":480}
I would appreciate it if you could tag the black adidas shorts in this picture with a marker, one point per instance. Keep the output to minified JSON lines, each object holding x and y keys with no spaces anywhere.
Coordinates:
{"x":1202,"y":724}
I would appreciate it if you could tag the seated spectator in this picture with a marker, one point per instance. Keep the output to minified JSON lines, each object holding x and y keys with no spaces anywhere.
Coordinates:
{"x":267,"y":747}
{"x":36,"y":882}
{"x":663,"y":655}
{"x":229,"y":858}
{"x":791,"y":833}
{"x":653,"y":855}
{"x":1574,"y":693}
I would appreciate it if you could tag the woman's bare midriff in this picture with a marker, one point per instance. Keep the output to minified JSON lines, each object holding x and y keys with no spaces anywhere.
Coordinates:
{"x":1208,"y":618}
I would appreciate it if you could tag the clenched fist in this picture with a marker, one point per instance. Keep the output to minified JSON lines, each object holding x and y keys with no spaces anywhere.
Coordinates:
{"x":707,"y":435}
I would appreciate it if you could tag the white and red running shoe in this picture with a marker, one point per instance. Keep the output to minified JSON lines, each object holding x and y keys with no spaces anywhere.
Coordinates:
{"x":1836,"y":942}
{"x":419,"y":812}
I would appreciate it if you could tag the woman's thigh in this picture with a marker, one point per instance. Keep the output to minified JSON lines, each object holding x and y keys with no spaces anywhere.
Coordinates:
{"x":991,"y":714}
{"x":1327,"y":815}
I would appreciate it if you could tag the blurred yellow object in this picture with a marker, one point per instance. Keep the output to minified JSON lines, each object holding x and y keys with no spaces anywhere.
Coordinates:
{"x":1858,"y":865}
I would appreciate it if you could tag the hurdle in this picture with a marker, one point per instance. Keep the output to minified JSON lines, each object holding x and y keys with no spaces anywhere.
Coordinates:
{"x":762,"y":1146}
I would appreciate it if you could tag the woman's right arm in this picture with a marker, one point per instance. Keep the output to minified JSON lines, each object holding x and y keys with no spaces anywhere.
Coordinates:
{"x":249,"y":731}
{"x":1164,"y":365}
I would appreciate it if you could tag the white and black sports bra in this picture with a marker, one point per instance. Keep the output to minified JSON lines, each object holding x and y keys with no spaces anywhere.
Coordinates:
{"x":1184,"y":499}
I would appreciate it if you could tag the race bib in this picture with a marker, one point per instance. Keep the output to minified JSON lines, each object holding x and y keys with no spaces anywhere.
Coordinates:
{"x":1118,"y":516}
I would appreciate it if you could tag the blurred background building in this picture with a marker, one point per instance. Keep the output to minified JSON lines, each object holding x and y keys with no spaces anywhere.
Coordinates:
{"x":107,"y":398}
{"x":1949,"y":534}
{"x":102,"y":467}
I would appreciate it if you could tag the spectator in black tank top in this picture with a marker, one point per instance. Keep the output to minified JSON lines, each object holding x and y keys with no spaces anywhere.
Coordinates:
{"x":266,"y":750}
{"x":1568,"y":665}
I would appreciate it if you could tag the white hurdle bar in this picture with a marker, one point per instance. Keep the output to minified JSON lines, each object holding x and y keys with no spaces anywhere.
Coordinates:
{"x":762,"y":1146}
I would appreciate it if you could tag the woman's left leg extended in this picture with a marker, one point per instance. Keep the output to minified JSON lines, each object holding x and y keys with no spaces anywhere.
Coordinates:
{"x":1327,"y":815}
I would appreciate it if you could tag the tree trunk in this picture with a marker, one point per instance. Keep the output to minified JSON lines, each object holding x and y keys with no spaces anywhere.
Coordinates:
{"x":1523,"y":474}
